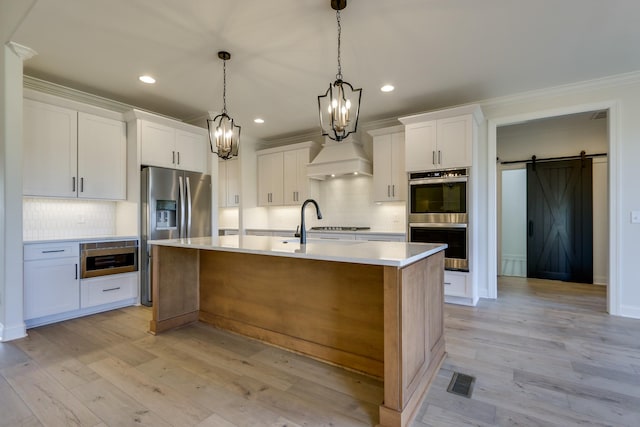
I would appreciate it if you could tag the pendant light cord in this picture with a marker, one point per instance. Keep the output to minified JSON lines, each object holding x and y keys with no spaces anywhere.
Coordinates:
{"x":224,"y":87}
{"x":339,"y":75}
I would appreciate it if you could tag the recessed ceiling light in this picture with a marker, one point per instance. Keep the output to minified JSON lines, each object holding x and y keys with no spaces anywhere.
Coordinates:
{"x":355,"y":173}
{"x":147,"y":79}
{"x":387,"y":88}
{"x":333,"y":175}
{"x":258,"y":120}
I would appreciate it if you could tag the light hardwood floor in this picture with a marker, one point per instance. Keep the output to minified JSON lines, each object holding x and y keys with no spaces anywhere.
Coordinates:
{"x":545,"y":353}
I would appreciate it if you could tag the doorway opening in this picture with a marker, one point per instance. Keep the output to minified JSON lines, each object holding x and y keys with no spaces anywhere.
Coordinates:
{"x":552,"y":190}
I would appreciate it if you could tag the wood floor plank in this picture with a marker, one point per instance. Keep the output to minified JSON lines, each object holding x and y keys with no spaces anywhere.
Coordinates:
{"x":11,"y":355}
{"x":49,"y":401}
{"x":114,"y":407}
{"x":159,"y":398}
{"x":13,"y":411}
{"x":367,"y":388}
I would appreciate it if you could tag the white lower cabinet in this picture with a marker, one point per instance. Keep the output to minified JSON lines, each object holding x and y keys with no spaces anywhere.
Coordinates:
{"x":108,"y":289}
{"x":53,"y":290}
{"x":51,"y":279}
{"x":456,"y":283}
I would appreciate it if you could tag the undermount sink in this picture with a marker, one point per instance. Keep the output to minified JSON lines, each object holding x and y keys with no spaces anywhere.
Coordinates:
{"x":324,"y":241}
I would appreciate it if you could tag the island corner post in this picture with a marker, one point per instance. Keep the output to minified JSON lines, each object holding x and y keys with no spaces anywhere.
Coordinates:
{"x":381,"y":320}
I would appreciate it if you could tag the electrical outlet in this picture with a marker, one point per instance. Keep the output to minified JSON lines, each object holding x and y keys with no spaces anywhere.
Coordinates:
{"x":635,"y":217}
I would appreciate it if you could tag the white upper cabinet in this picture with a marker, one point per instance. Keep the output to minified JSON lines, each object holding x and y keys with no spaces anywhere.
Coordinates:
{"x":50,"y":138}
{"x":228,"y":183}
{"x":73,"y":154}
{"x":270,"y":179}
{"x":157,"y":145}
{"x":442,"y":139}
{"x":192,"y":151}
{"x":389,"y":176}
{"x":296,"y":182}
{"x":282,"y":174}
{"x":455,"y":142}
{"x":173,"y":148}
{"x":102,"y":157}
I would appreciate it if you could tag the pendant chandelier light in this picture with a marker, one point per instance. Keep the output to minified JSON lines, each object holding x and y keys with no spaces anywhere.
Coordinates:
{"x":224,"y":134}
{"x":340,"y":105}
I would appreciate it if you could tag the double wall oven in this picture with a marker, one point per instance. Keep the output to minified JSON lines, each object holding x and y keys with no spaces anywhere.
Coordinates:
{"x":438,"y":213}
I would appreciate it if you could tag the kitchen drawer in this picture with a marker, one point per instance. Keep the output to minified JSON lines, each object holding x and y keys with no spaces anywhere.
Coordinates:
{"x":108,"y":289}
{"x":456,"y":283}
{"x":34,"y":251}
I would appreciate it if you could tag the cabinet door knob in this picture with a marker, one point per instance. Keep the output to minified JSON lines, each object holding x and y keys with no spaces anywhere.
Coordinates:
{"x":173,"y":157}
{"x":439,"y":157}
{"x":82,"y":185}
{"x":178,"y":157}
{"x":73,"y":184}
{"x":433,"y":157}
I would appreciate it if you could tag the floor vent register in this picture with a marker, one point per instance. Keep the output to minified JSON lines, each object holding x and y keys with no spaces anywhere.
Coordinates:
{"x":461,"y":384}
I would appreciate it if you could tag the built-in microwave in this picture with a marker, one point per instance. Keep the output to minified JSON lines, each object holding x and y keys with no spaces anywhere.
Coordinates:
{"x":438,"y":196}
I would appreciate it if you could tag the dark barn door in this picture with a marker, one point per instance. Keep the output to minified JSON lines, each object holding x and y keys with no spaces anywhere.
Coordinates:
{"x":560,"y":221}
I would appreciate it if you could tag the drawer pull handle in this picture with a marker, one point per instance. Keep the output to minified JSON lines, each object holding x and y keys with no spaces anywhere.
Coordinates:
{"x":447,"y":283}
{"x":111,"y":289}
{"x":53,"y":251}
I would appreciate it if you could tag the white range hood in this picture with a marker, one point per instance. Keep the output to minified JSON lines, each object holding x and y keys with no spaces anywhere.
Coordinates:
{"x":339,"y":158}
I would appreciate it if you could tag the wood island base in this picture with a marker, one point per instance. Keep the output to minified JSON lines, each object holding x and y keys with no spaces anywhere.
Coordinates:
{"x":380,"y":320}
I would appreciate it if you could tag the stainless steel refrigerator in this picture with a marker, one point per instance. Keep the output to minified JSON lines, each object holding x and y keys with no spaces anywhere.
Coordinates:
{"x":175,"y":204}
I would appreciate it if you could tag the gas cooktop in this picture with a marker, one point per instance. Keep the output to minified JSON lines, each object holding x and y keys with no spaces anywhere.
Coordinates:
{"x":332,"y":228}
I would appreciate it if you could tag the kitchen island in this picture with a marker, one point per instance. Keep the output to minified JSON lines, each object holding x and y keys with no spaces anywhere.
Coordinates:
{"x":373,"y":307}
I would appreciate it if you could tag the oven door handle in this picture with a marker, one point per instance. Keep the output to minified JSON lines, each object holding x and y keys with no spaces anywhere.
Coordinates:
{"x":436,"y":225}
{"x":438,"y":180}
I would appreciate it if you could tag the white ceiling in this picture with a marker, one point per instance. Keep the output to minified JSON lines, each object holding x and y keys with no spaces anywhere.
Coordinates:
{"x":437,"y":53}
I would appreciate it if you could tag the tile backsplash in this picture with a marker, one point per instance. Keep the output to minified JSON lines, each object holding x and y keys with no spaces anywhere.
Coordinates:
{"x":344,"y":201}
{"x":65,"y":218}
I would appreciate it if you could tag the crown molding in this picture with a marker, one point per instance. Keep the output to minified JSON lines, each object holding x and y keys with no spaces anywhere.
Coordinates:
{"x":23,"y":52}
{"x":74,"y":94}
{"x":60,"y":91}
{"x":594,"y":84}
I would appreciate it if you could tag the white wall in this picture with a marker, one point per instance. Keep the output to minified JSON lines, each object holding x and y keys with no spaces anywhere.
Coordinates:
{"x":514,"y":223}
{"x":622,"y":95}
{"x":554,"y":137}
{"x":600,"y":222}
{"x":11,"y":302}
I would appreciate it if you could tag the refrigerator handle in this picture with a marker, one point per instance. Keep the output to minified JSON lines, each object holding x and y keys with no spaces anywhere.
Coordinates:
{"x":182,"y":207}
{"x":189,"y":206}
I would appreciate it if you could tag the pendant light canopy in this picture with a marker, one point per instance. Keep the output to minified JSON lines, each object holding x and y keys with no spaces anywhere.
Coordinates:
{"x":224,"y":134}
{"x":340,"y":105}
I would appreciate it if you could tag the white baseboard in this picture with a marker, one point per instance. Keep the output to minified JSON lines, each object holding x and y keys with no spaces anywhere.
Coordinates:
{"x":13,"y":332}
{"x":513,"y":265}
{"x":630,"y":311}
{"x":460,"y":300}
{"x":600,"y":280}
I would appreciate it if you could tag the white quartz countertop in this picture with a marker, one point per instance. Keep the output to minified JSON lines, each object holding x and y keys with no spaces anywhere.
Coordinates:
{"x":83,"y":239}
{"x":398,"y":254}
